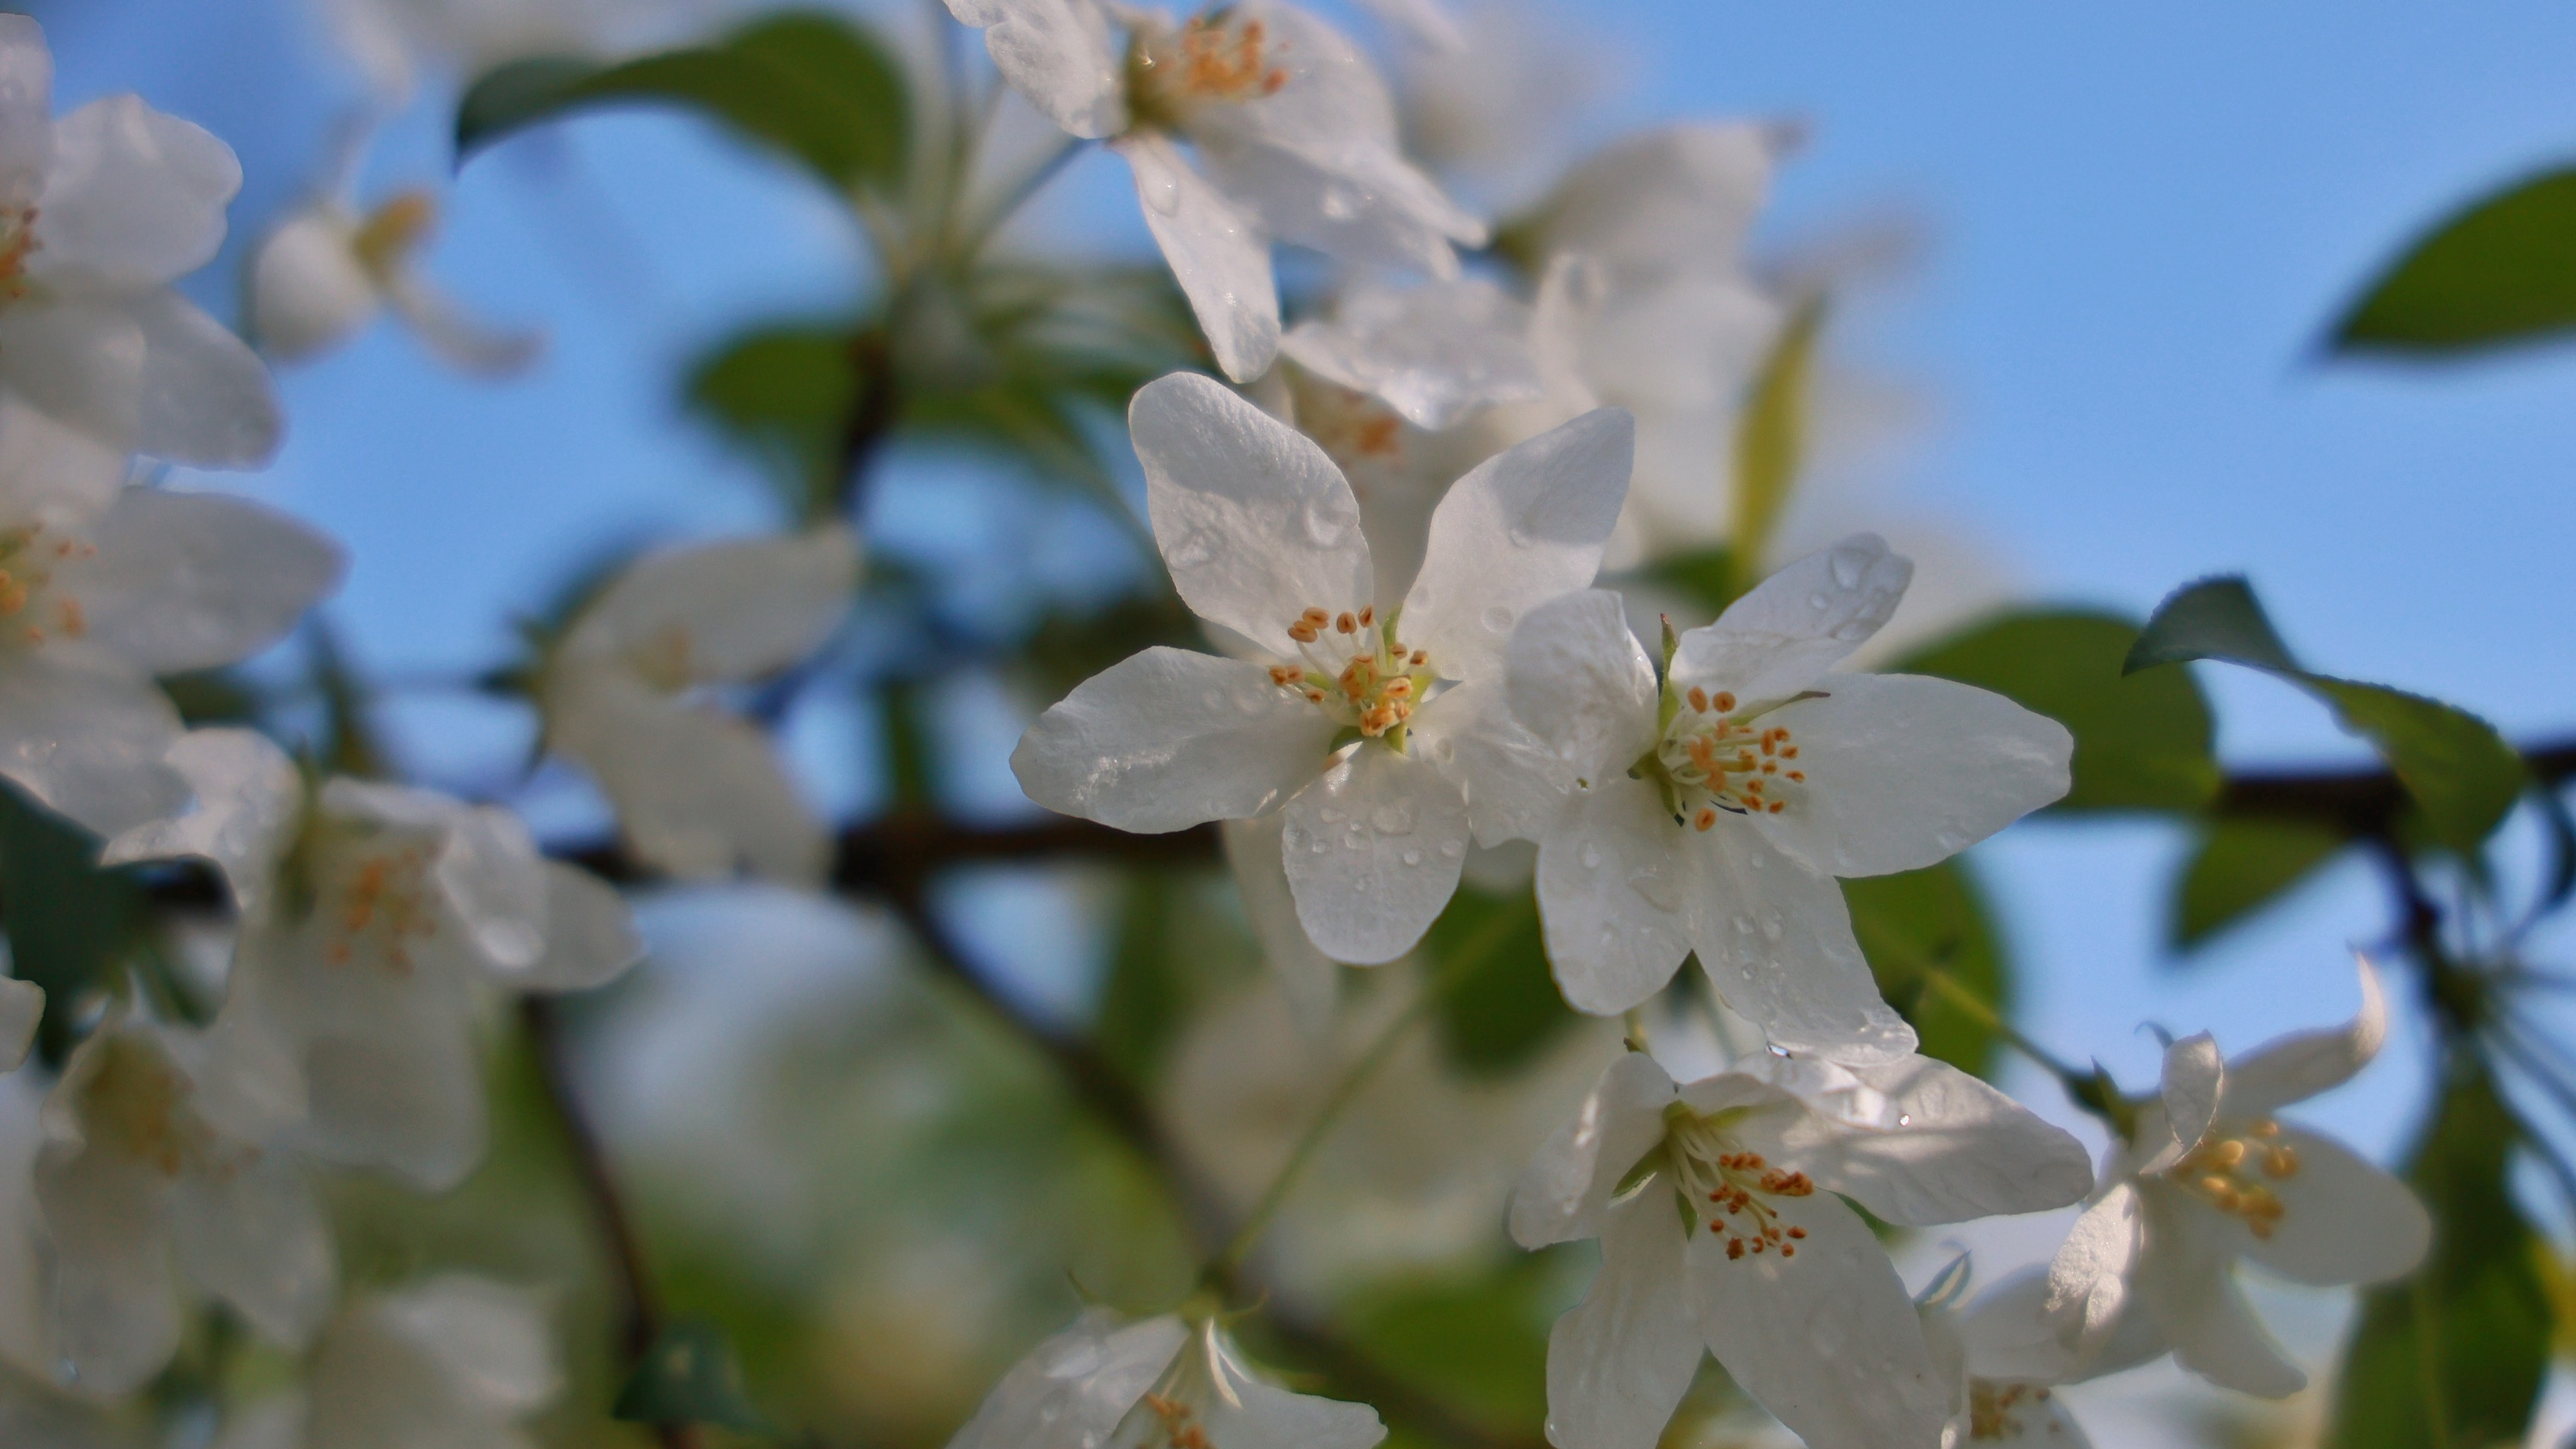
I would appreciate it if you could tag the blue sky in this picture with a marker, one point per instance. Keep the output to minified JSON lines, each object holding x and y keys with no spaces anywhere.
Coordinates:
{"x":2139,"y":220}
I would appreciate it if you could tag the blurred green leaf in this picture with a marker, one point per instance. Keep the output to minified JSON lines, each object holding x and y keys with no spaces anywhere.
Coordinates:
{"x":2500,"y":270}
{"x":2241,"y":866}
{"x":2456,"y":1354}
{"x":1937,"y":918}
{"x":212,"y":697}
{"x":71,"y":925}
{"x":809,"y":85}
{"x":2460,"y":772}
{"x":688,"y":1376}
{"x":2141,"y":743}
{"x":1505,"y":1007}
{"x":1145,"y":997}
{"x":1707,"y":575}
{"x":785,"y":394}
{"x":1478,"y":1345}
{"x":1771,"y":441}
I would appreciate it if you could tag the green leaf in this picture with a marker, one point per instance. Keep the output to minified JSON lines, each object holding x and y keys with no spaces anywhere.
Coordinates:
{"x":2499,"y":271}
{"x":688,"y":1376}
{"x":1707,"y":575}
{"x":1144,"y":998}
{"x":2460,"y":772}
{"x":1504,"y":1007}
{"x":2141,"y":743}
{"x":1936,"y":918}
{"x":808,"y":85}
{"x":2455,"y":1355}
{"x":72,"y":926}
{"x":785,"y":394}
{"x":2242,"y":866}
{"x":1771,"y":442}
{"x":1478,"y":1346}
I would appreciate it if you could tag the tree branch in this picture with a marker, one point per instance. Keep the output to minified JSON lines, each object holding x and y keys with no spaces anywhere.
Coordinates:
{"x":2359,"y":803}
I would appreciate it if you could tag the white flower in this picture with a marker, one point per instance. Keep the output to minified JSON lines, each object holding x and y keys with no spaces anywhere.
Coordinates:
{"x":456,"y":1361}
{"x":98,"y":214}
{"x":1713,"y":815}
{"x":1293,"y":130}
{"x":160,"y":1164}
{"x":1162,"y":1383}
{"x":1265,"y":542}
{"x":370,"y":916}
{"x":326,"y":271}
{"x":698,"y":792}
{"x":2209,"y":1176}
{"x":1983,"y":1409}
{"x":1720,"y":1230}
{"x":97,"y":596}
{"x":22,"y":1009}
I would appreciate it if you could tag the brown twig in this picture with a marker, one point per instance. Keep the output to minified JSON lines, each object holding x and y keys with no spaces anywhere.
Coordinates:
{"x":2359,"y":803}
{"x":637,"y":1308}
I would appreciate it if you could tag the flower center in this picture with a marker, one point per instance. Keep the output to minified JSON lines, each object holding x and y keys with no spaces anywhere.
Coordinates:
{"x":1217,"y":58}
{"x":32,"y":605}
{"x":2223,"y":1172}
{"x":1350,"y":426}
{"x":138,"y":1103}
{"x":383,"y":907}
{"x":1995,"y":1410}
{"x":1179,"y":1423}
{"x":17,"y":243}
{"x":1731,"y":1190}
{"x":1721,"y":760}
{"x":1356,"y":671}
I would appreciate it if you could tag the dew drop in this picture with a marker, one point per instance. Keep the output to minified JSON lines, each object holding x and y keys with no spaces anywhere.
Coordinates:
{"x":1847,"y":567}
{"x":1744,"y":927}
{"x":1657,"y":886}
{"x":1412,"y":855}
{"x":1819,"y":602}
{"x":1325,"y":526}
{"x":1522,"y":534}
{"x":1453,"y":848}
{"x":1197,"y":549}
{"x":1444,"y":749}
{"x":1393,"y":817}
{"x":1497,"y":618}
{"x":1771,"y":926}
{"x":1292,"y":835}
{"x":1316,"y":846}
{"x":1359,"y":885}
{"x":1904,"y":1119}
{"x":1591,"y":856}
{"x":1330,"y":815}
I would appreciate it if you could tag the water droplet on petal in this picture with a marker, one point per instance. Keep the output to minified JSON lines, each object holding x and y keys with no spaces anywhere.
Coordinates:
{"x":1330,"y":815}
{"x":1453,"y":848}
{"x":1444,"y":749}
{"x":1657,"y":886}
{"x":1324,"y":525}
{"x":1197,"y":549}
{"x":1497,"y":618}
{"x":1591,"y":856}
{"x":1819,"y":602}
{"x":1393,"y":817}
{"x":1847,"y":566}
{"x":1412,"y":855}
{"x":1904,"y":1119}
{"x":1744,"y":927}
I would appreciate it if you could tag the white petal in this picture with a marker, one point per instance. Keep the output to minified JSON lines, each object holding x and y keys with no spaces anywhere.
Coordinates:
{"x":398,"y":1088}
{"x":2088,"y":1284}
{"x":2184,"y":1281}
{"x":2007,"y":1333}
{"x":1373,"y":849}
{"x":192,"y":580}
{"x":1249,"y":1413}
{"x":724,"y":612}
{"x":1256,"y":524}
{"x":1365,"y":205}
{"x":249,"y":800}
{"x":46,"y":463}
{"x":1072,"y":1390}
{"x":1611,"y":897}
{"x":1905,"y":771}
{"x":1514,"y":783}
{"x":1678,"y":198}
{"x":1796,"y":624}
{"x":494,"y":1342}
{"x":26,"y":109}
{"x":206,"y":398}
{"x":1526,"y":526}
{"x":1218,"y":252}
{"x":1309,"y":978}
{"x":1827,"y":1341}
{"x":2302,"y":1064}
{"x":134,"y":197}
{"x":1059,"y":55}
{"x":1435,"y":353}
{"x":86,"y":735}
{"x":590,"y":935}
{"x":115,"y":1302}
{"x":257,"y":1239}
{"x":308,"y":291}
{"x":1582,"y":683}
{"x":2345,"y":1220}
{"x":495,"y":884}
{"x":458,"y":339}
{"x":1167,"y":739}
{"x":1568,"y":1185}
{"x":1922,"y":1143}
{"x":2194,"y":1077}
{"x":1776,"y":939}
{"x":22,"y":1007}
{"x":1619,"y":1362}
{"x":698,"y":793}
{"x":80,"y":360}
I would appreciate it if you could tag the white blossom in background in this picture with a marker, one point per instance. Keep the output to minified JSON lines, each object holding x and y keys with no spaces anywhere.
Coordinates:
{"x":1986,"y":1410}
{"x":1154,"y":1384}
{"x":456,"y":1361}
{"x":99,"y":212}
{"x":1291,"y":129}
{"x":2211,"y":1176}
{"x":1713,"y":813}
{"x":1721,"y":1232}
{"x":100,"y":591}
{"x":330,"y":267}
{"x":1491,"y":96}
{"x":698,"y":792}
{"x":1375,"y":725}
{"x":161,"y":1166}
{"x":371,"y":917}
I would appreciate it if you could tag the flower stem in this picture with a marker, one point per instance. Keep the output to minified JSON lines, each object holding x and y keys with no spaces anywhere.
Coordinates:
{"x":1460,"y":963}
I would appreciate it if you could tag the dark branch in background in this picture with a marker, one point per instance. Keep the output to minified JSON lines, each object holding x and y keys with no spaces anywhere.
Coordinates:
{"x":2363,"y":804}
{"x":874,"y":407}
{"x":635,"y":1305}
